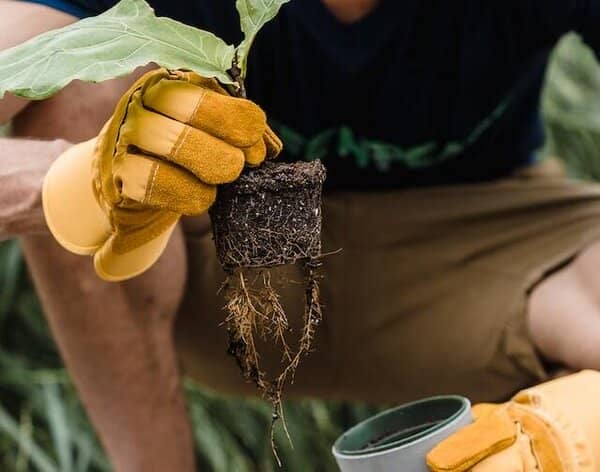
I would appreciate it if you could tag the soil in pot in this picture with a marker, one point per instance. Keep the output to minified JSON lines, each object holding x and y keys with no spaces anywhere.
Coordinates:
{"x":270,"y":216}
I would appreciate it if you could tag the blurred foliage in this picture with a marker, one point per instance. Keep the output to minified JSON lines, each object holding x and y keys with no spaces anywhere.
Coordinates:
{"x":44,"y":428}
{"x":571,"y":108}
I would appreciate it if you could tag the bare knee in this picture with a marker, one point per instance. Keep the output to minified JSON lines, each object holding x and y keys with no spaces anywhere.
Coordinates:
{"x":564,"y":313}
{"x":545,"y":314}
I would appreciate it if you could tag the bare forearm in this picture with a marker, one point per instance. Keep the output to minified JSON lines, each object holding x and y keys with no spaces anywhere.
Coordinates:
{"x":23,"y":165}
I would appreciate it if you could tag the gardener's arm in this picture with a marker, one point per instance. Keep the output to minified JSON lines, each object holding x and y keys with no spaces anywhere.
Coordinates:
{"x":23,"y":164}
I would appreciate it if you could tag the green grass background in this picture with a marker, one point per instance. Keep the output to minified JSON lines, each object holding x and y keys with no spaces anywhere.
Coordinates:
{"x":42,"y":424}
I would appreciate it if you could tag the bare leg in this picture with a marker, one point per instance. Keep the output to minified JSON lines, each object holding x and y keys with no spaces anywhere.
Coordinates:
{"x":116,"y":339}
{"x":564,"y":313}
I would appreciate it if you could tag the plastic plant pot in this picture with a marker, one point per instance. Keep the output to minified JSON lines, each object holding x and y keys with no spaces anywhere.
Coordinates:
{"x":399,"y":439}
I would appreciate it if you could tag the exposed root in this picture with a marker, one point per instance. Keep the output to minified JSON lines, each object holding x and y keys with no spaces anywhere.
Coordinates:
{"x":274,"y":313}
{"x":243,"y":319}
{"x":259,"y":311}
{"x":313,"y":314}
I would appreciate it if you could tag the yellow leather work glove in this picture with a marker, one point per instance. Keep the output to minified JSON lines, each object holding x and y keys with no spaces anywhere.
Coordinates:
{"x":174,"y":136}
{"x":553,"y":427}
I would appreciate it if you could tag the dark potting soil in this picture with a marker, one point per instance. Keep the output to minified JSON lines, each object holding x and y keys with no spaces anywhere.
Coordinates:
{"x":270,"y":216}
{"x":393,"y":436}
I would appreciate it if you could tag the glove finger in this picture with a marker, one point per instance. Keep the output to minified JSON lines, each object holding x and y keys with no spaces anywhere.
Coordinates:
{"x":237,"y":121}
{"x":273,"y":143}
{"x":269,"y":147}
{"x":256,"y":154}
{"x":473,"y":443}
{"x":161,"y":186}
{"x":210,"y":159}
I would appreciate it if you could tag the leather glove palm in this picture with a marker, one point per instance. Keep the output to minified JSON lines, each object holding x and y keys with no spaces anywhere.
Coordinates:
{"x":174,"y":136}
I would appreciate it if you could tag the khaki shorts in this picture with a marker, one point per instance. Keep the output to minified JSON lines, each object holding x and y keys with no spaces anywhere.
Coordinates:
{"x":427,"y":296}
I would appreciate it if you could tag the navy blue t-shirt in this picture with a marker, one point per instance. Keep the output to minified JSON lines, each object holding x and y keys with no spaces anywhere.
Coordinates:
{"x":419,"y":92}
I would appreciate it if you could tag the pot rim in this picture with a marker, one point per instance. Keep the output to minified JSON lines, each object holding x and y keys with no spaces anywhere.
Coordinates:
{"x":462,"y":406}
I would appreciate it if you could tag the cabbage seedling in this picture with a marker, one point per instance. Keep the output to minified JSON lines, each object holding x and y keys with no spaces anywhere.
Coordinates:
{"x":271,"y":216}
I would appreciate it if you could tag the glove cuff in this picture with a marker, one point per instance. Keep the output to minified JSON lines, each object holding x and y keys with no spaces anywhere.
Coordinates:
{"x":73,"y":214}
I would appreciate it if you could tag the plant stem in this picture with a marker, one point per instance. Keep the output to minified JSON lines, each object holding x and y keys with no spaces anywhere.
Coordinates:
{"x":236,"y":74}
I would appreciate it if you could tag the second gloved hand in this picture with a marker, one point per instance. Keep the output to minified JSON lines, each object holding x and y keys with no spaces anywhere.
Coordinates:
{"x":174,"y":136}
{"x":553,"y":427}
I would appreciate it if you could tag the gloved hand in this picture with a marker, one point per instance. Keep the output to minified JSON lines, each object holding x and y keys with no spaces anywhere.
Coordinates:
{"x":553,"y":427}
{"x":174,"y":136}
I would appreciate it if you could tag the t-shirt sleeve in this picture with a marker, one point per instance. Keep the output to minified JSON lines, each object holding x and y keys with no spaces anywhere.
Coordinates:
{"x":542,"y":22}
{"x":78,"y":8}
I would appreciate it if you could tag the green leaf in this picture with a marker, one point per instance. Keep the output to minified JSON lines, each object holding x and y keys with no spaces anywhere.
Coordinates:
{"x":59,"y":427}
{"x":254,"y":14}
{"x":110,"y":45}
{"x":10,"y":428}
{"x":10,"y":271}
